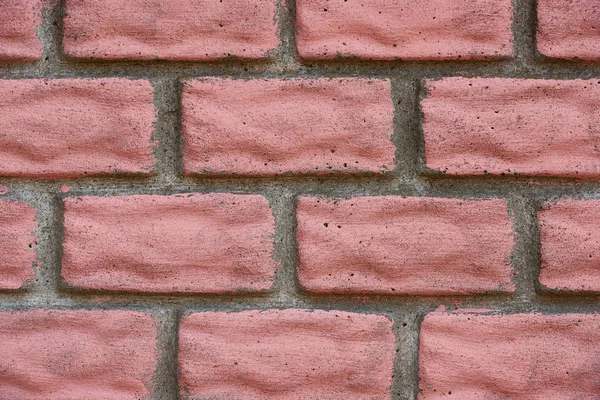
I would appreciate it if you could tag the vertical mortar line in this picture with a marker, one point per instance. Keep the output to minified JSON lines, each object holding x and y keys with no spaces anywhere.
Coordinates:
{"x":49,"y":241}
{"x":50,"y":33}
{"x":525,"y":258}
{"x":406,"y":366}
{"x":524,"y":32}
{"x":286,"y":18}
{"x":166,"y":378}
{"x":167,"y":129}
{"x":283,"y":205}
{"x":407,"y":136}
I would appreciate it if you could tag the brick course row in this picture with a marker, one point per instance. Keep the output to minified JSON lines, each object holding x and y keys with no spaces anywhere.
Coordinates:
{"x":291,"y":354}
{"x":217,"y":243}
{"x":371,"y":29}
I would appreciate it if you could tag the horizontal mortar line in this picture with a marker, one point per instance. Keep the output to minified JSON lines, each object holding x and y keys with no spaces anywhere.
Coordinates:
{"x":305,"y":69}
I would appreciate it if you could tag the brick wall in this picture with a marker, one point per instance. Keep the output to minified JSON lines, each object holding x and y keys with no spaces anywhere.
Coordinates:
{"x":304,"y":199}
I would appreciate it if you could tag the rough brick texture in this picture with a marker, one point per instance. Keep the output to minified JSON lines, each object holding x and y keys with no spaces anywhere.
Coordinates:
{"x":269,"y":127}
{"x":412,"y":30}
{"x":404,"y":245}
{"x":77,"y":355}
{"x":173,"y":30}
{"x":507,"y":126}
{"x":18,"y":38}
{"x":569,"y":29}
{"x":65,"y":128}
{"x":181,"y":243}
{"x":17,"y":244}
{"x":509,"y":356}
{"x":289,"y":354}
{"x":569,"y":232}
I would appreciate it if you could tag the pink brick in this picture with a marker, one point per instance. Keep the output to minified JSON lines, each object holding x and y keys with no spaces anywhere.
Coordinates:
{"x":270,"y":127}
{"x":67,"y":128}
{"x":170,"y":29}
{"x":288,"y":354}
{"x":569,"y":29}
{"x":523,"y":356}
{"x":18,"y":38}
{"x":497,"y":126}
{"x":411,"y":30}
{"x":570,"y":237}
{"x":17,"y":242}
{"x":77,"y":355}
{"x":182,"y":243}
{"x":422,"y":246}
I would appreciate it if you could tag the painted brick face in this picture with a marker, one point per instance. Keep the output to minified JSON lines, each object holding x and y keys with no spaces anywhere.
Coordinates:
{"x":404,"y":245}
{"x":410,"y":30}
{"x":172,"y":30}
{"x":286,"y":354}
{"x":183,"y":243}
{"x":570,"y":245}
{"x":270,"y":127}
{"x":522,"y":356}
{"x":507,"y":126}
{"x":18,"y":38}
{"x":17,"y":244}
{"x":57,"y":354}
{"x":67,"y":128}
{"x":569,"y":29}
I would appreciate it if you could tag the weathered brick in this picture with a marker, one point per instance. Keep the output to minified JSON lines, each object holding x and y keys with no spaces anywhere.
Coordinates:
{"x":170,"y":29}
{"x":286,"y":354}
{"x":411,"y":30}
{"x":65,"y":128}
{"x":269,"y":127}
{"x":181,"y":243}
{"x":17,"y":242}
{"x":569,"y":233}
{"x":18,"y":38}
{"x":52,"y":354}
{"x":402,"y":245}
{"x":522,"y":356}
{"x":569,"y":29}
{"x":512,"y":126}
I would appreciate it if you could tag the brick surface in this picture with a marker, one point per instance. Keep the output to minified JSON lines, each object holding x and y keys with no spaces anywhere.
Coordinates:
{"x":17,"y":244}
{"x":64,"y":128}
{"x":506,"y":126}
{"x":18,"y":38}
{"x":269,"y":127}
{"x":570,"y":245}
{"x":172,"y":30}
{"x":404,"y":245}
{"x":569,"y":29}
{"x":509,"y":356}
{"x":77,"y":355}
{"x":180,"y":243}
{"x":411,"y":30}
{"x":286,"y":354}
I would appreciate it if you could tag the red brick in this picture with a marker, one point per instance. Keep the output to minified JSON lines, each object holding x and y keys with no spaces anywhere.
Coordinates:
{"x":411,"y":30}
{"x":182,"y":243}
{"x":18,"y":38}
{"x":77,"y":355}
{"x":569,"y":232}
{"x":289,"y":354}
{"x":66,"y":128}
{"x":523,"y":356}
{"x":502,"y":126}
{"x":17,"y":240}
{"x":399,"y":245}
{"x":170,"y":29}
{"x":569,"y":29}
{"x":270,"y":127}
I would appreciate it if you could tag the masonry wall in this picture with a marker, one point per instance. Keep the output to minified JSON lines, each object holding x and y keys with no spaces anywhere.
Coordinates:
{"x":307,"y":199}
